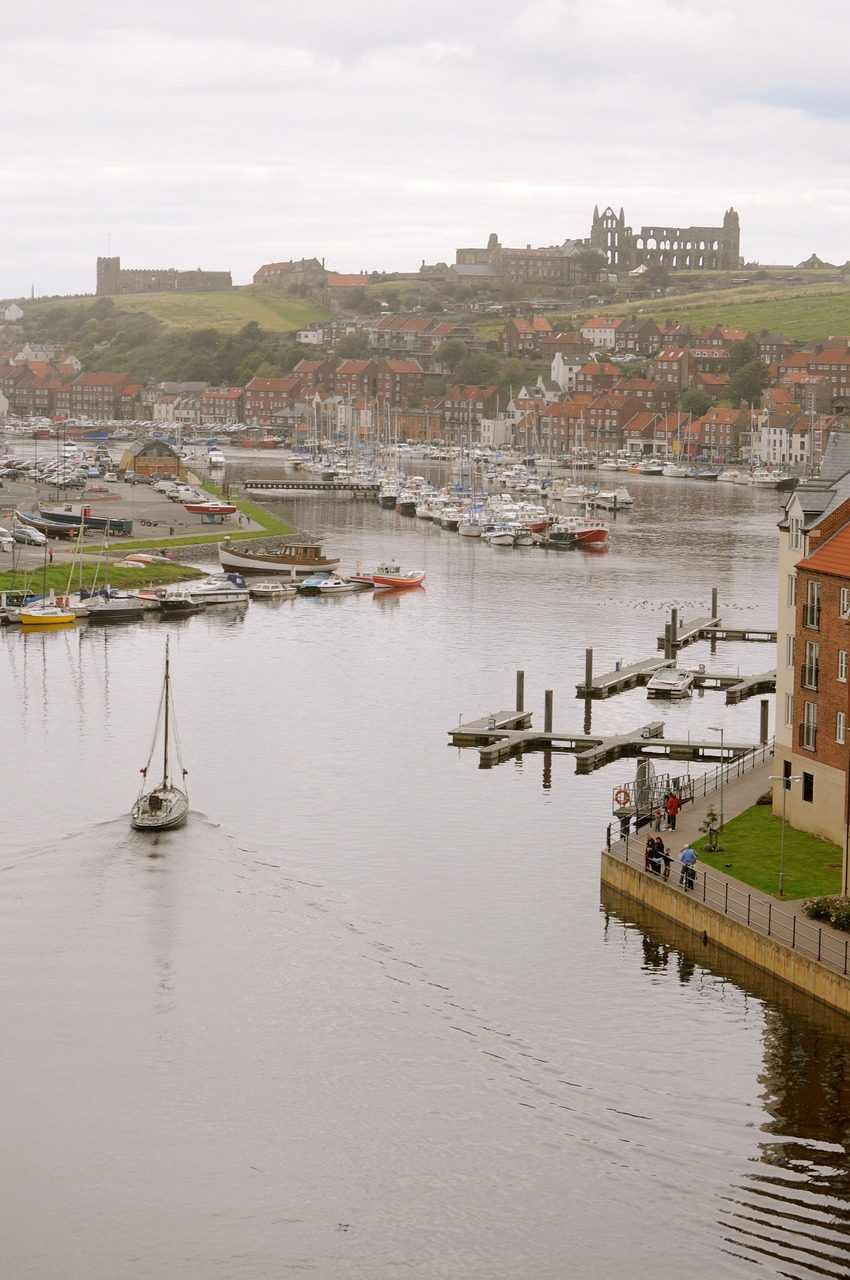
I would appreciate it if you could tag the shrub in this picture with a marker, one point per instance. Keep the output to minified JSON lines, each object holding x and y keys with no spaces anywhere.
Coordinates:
{"x":831,"y":907}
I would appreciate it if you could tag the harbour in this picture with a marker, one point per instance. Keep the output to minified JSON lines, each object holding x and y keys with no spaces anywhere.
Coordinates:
{"x":370,"y":1008}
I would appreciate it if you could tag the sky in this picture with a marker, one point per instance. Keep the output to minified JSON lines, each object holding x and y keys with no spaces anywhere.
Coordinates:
{"x":193,"y":133}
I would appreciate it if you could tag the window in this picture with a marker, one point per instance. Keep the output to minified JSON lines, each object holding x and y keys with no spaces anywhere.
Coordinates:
{"x":840,"y":726}
{"x":792,"y":590}
{"x":790,"y":650}
{"x":809,"y":727}
{"x":842,"y":665}
{"x":811,"y":666}
{"x":844,"y":601}
{"x":811,"y":616}
{"x":789,"y":709}
{"x":808,"y":787}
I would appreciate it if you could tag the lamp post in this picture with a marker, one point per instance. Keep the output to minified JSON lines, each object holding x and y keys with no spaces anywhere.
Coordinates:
{"x":792,"y":777}
{"x":713,"y":728}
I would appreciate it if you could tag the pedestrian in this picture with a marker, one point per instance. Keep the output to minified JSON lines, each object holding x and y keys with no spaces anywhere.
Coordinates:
{"x":666,"y":859}
{"x":50,"y":555}
{"x":688,"y":858}
{"x":672,"y":805}
{"x":656,"y":826}
{"x":648,"y":854}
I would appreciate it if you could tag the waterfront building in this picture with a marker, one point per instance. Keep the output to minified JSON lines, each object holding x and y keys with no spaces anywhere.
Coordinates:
{"x":813,"y":642}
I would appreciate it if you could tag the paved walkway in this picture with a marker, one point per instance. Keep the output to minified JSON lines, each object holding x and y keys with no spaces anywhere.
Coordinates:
{"x":780,"y":918}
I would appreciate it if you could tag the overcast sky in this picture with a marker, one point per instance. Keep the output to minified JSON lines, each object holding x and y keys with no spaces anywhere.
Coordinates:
{"x":192,"y":133}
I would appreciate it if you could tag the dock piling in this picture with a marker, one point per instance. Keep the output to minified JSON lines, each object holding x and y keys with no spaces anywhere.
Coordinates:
{"x":764,"y":709}
{"x":588,"y":668}
{"x":547,"y":712}
{"x":520,"y":691}
{"x":674,"y":629}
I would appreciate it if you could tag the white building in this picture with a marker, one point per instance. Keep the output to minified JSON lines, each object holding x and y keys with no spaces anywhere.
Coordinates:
{"x":565,"y":370}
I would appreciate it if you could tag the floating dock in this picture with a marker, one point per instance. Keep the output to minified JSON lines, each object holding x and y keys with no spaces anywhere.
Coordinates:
{"x":636,"y":674}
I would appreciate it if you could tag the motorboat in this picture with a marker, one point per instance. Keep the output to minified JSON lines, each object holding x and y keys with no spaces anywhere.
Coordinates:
{"x":391,"y":574}
{"x":335,"y":585}
{"x":222,"y":588}
{"x":670,"y":682}
{"x":614,"y":499}
{"x":311,"y":584}
{"x":273,"y":589}
{"x":500,"y":535}
{"x":215,"y":458}
{"x":167,"y":804}
{"x":210,"y":508}
{"x":296,"y":559}
{"x":179,"y":603}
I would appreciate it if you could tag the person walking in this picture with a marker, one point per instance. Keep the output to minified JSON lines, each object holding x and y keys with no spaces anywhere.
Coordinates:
{"x":50,"y":555}
{"x":672,"y":806}
{"x":688,"y":858}
{"x":665,"y":858}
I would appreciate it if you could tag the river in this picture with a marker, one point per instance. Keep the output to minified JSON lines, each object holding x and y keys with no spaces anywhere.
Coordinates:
{"x":367,"y":1014}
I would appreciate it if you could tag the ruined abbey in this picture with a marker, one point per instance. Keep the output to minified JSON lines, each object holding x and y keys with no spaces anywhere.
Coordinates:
{"x":676,"y":248}
{"x":113,"y":278}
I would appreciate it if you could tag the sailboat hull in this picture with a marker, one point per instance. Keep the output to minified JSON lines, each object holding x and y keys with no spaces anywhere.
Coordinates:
{"x":160,"y":810}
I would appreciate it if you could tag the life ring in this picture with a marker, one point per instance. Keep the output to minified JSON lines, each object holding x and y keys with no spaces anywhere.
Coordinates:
{"x":622,"y":796}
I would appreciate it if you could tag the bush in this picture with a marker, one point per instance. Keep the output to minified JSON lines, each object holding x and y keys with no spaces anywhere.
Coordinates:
{"x":832,"y":907}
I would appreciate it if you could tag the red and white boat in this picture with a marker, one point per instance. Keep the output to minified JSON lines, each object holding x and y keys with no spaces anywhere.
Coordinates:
{"x":391,"y":575}
{"x":576,"y":531}
{"x":210,"y":508}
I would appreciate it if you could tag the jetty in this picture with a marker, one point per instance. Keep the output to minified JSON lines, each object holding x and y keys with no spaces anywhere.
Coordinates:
{"x":359,"y":488}
{"x":635,"y":674}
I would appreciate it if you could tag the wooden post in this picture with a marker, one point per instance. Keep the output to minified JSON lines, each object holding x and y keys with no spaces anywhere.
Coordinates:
{"x":588,"y":668}
{"x":668,"y":641}
{"x":674,"y":629}
{"x":764,"y":708}
{"x":520,"y":691}
{"x":547,"y":713}
{"x":714,"y":602}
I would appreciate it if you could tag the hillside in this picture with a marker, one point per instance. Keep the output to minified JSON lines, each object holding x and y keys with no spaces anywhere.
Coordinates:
{"x":273,"y":309}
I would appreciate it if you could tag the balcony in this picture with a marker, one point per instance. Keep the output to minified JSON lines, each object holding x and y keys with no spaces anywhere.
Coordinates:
{"x":809,"y":673}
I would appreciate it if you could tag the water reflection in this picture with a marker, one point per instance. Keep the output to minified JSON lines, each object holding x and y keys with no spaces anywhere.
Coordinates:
{"x":792,"y":1208}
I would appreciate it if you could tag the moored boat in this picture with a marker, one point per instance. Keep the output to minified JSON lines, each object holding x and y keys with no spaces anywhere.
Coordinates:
{"x":45,"y":615}
{"x":391,"y":574}
{"x":297,"y":559}
{"x":221,"y":588}
{"x":670,"y":682}
{"x":273,"y":589}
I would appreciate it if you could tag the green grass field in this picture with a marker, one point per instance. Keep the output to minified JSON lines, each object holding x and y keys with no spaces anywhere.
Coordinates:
{"x":750,"y":852}
{"x":270,"y":307}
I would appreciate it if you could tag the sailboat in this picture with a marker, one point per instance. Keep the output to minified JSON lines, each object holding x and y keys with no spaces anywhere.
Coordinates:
{"x":167,"y":805}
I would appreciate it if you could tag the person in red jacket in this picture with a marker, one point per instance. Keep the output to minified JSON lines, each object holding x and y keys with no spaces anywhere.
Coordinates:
{"x":672,"y":805}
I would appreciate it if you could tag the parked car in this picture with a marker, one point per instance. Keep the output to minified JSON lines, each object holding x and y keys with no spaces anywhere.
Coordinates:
{"x":136,"y":477}
{"x":6,"y":540}
{"x":25,"y":534}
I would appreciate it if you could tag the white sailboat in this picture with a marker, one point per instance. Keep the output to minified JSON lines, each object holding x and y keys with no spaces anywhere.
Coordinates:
{"x":166,"y":805}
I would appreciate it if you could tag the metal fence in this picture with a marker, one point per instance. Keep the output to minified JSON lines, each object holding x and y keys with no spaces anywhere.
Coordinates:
{"x":761,"y":914}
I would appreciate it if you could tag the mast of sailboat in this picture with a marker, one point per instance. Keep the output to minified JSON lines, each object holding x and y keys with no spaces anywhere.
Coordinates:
{"x":167,"y":695}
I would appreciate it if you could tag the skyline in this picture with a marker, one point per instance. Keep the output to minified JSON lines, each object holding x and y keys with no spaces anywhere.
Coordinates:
{"x":375,"y":142}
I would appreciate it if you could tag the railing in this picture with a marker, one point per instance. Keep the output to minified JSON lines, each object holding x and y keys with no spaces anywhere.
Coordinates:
{"x":695,"y":788}
{"x":764,"y":916}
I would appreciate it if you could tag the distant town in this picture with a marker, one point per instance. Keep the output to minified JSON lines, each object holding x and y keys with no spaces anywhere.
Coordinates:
{"x":612,"y":383}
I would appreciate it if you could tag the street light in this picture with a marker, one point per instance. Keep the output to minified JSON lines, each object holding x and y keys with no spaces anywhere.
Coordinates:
{"x":792,"y":777}
{"x":714,"y":728}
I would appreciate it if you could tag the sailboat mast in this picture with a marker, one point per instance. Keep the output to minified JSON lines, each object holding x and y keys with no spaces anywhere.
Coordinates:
{"x":167,"y":694}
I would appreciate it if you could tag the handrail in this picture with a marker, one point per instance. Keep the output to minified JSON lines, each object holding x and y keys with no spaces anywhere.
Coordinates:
{"x":762,"y":915}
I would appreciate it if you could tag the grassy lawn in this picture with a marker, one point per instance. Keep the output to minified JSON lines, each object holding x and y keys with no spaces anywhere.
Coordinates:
{"x":271,"y":307}
{"x":750,"y":852}
{"x":56,"y":577}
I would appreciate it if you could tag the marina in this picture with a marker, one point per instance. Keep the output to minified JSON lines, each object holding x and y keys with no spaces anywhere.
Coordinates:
{"x":431,"y":1033}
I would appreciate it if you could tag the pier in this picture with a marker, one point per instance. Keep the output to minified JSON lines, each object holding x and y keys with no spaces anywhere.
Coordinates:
{"x":737,"y":687}
{"x":358,"y":488}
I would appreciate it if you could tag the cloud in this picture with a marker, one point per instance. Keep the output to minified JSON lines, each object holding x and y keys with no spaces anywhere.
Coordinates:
{"x":380,"y":136}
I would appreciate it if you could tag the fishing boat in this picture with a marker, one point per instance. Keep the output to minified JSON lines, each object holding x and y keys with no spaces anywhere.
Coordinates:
{"x":392,"y":575}
{"x":576,"y":531}
{"x":296,"y":559}
{"x":167,"y":805}
{"x":335,"y":585}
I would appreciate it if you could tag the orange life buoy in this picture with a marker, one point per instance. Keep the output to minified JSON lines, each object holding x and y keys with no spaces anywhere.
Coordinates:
{"x":622,"y":796}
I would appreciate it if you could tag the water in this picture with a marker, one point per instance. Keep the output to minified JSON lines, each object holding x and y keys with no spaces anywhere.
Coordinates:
{"x":367,"y":1014}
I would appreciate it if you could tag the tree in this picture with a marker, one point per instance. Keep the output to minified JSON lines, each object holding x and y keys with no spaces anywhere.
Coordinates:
{"x":710,"y":827}
{"x":479,"y":369}
{"x":657,"y":276}
{"x":354,"y":346}
{"x":591,"y":263}
{"x":748,"y":382}
{"x":450,"y":353}
{"x":739,"y":354}
{"x":695,"y":401}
